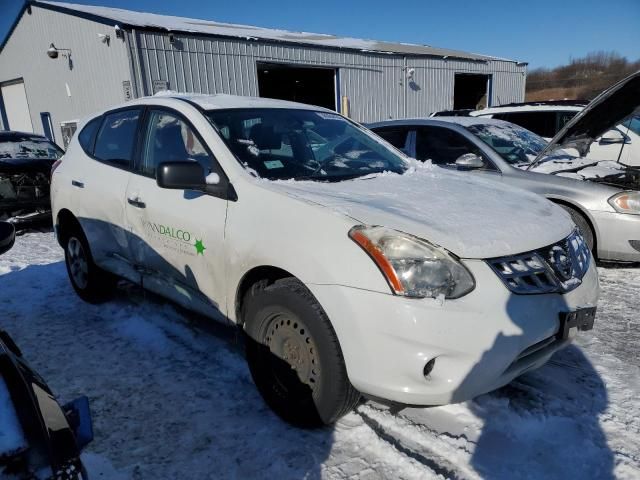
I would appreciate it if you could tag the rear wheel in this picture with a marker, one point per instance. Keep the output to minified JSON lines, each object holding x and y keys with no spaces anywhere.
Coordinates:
{"x":90,"y":282}
{"x":294,"y":355}
{"x":583,"y":225}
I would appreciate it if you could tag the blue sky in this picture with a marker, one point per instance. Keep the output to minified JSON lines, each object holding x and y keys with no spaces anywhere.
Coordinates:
{"x":544,"y":33}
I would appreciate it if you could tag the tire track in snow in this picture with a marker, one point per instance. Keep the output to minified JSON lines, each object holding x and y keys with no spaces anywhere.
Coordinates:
{"x":398,"y":430}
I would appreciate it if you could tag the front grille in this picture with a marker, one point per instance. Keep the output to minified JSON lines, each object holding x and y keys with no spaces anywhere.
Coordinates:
{"x":557,"y":268}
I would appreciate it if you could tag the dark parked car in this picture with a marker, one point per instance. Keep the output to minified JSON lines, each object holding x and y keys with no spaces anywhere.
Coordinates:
{"x":39,"y":438}
{"x":25,"y":171}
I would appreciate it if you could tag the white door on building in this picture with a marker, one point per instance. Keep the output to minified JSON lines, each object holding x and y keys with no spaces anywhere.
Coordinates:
{"x":16,"y":107}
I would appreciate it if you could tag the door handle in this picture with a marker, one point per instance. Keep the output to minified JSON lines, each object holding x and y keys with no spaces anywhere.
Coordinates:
{"x":76,"y":183}
{"x":136,"y":202}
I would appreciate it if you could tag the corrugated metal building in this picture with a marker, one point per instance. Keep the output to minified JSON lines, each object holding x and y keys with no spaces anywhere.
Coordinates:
{"x":106,"y":56}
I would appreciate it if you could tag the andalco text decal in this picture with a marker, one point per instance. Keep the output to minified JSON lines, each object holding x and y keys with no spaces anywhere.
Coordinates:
{"x":174,"y":238}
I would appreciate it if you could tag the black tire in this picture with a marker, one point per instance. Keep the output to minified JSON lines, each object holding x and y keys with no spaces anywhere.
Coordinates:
{"x":583,"y":225}
{"x":287,"y":327}
{"x":90,"y":282}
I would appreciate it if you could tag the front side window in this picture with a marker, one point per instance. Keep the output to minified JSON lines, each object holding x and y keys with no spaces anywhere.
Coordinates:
{"x":633,"y":124}
{"x":279,"y":144}
{"x":169,"y":139}
{"x":442,"y":146}
{"x":116,"y":138}
{"x":514,"y":144}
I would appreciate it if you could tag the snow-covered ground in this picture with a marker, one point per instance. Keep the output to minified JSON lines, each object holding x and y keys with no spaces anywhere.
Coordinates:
{"x":171,"y":395}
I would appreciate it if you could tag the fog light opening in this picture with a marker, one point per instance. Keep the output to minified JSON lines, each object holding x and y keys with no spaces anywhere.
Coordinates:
{"x":429,"y":367}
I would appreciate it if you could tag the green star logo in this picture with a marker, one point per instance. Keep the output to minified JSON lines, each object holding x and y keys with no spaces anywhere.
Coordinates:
{"x":200,"y":248}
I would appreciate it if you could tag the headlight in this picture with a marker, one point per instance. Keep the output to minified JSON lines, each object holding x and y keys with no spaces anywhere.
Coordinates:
{"x":626,"y":202}
{"x":412,"y":266}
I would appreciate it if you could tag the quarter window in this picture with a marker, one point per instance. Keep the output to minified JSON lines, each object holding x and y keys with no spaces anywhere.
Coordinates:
{"x":116,"y":138}
{"x":87,"y":134}
{"x":170,"y":139}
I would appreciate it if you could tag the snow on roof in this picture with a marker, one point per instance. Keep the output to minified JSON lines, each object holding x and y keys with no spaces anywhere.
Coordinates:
{"x":191,"y":25}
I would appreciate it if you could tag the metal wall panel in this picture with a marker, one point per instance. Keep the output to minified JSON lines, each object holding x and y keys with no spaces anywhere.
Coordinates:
{"x":95,"y":81}
{"x":376,"y":83}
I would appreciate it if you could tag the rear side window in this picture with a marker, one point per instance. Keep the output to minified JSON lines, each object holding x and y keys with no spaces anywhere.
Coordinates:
{"x":116,"y":138}
{"x":88,"y":133}
{"x":395,"y":136}
{"x":542,"y":123}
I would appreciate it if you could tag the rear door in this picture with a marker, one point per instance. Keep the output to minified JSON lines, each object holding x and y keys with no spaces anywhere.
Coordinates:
{"x":99,"y":183}
{"x":177,"y":236}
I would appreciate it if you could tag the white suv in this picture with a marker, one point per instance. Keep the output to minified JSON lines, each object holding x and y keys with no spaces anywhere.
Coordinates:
{"x":620,"y":144}
{"x":351,"y":268}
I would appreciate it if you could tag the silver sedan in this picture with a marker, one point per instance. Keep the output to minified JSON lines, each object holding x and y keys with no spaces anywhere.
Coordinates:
{"x":609,"y":216}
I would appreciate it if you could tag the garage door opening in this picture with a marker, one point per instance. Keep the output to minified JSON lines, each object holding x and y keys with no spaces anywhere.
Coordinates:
{"x":16,"y":109}
{"x":471,"y":91}
{"x":315,"y":86}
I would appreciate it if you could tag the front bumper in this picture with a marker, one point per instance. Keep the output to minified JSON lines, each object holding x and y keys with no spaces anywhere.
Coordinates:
{"x":479,"y":342}
{"x":617,"y":235}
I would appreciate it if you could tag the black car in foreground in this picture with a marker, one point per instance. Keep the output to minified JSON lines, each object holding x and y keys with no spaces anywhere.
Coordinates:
{"x":25,"y":172}
{"x":39,"y":438}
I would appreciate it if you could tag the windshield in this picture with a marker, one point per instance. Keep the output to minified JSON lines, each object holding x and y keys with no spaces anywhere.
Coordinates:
{"x":515,"y":144}
{"x":279,"y":144}
{"x":633,"y":124}
{"x":20,"y":146}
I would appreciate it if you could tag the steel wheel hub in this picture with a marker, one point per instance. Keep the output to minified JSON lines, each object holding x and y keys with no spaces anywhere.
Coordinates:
{"x":289,"y":340}
{"x":78,"y":265}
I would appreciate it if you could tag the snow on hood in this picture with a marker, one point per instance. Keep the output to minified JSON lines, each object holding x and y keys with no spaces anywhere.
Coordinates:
{"x":471,"y":217}
{"x":604,"y":112}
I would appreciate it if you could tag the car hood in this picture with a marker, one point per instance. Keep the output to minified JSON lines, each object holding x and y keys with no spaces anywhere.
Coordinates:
{"x":469,"y":216}
{"x":604,"y":112}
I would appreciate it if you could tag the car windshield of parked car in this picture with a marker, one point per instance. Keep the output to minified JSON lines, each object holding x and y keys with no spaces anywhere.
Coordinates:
{"x":17,"y":147}
{"x":279,"y":144}
{"x":633,"y":124}
{"x":515,"y":144}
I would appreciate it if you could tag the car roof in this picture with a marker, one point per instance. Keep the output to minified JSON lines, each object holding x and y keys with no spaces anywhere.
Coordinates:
{"x":528,"y":108}
{"x":222,"y":101}
{"x":439,"y":121}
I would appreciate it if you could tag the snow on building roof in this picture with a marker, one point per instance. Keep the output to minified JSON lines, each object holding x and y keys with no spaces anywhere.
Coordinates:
{"x":206,"y":27}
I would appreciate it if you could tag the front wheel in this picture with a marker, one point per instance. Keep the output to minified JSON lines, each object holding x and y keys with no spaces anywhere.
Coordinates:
{"x":294,"y":355}
{"x":583,"y":225}
{"x":90,"y":282}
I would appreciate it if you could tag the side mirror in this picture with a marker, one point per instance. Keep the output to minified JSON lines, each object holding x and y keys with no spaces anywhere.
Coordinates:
{"x":7,"y":236}
{"x":181,"y":176}
{"x":612,"y":137}
{"x":469,"y":161}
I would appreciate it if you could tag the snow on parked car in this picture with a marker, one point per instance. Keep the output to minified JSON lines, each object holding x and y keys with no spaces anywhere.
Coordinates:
{"x":351,"y":268}
{"x":606,"y":208}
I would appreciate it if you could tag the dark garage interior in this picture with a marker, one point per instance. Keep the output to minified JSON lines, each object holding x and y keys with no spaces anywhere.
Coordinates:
{"x":470,"y":91}
{"x":315,"y":86}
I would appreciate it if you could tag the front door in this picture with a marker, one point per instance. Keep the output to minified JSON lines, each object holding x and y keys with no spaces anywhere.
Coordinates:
{"x":176,"y":236}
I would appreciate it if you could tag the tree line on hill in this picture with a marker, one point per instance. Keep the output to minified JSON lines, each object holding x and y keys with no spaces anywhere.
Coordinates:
{"x":582,"y":78}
